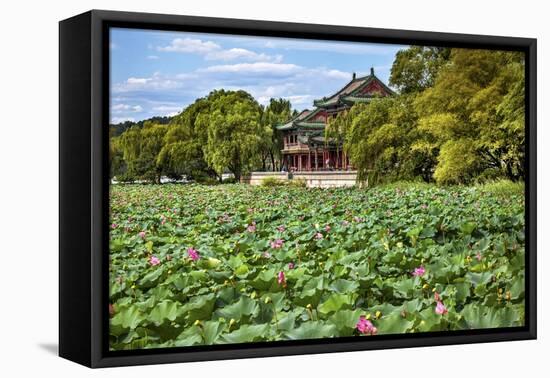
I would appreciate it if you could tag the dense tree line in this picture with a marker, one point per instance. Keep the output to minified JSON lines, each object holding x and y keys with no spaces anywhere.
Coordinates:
{"x":226,"y":131}
{"x":119,"y":128}
{"x":459,"y":117}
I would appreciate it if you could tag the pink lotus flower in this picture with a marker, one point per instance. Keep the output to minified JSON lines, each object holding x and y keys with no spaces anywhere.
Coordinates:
{"x":318,"y":236}
{"x":114,"y":225}
{"x":111,"y":309}
{"x":154,"y":260}
{"x":327,"y":228}
{"x":345,"y":223}
{"x":291,"y":265}
{"x":281,"y":228}
{"x":266,"y":255}
{"x":142,"y":234}
{"x":419,"y":272}
{"x":277,"y":243}
{"x":478,"y":256}
{"x":163,"y":220}
{"x":440,"y":308}
{"x":281,"y":278}
{"x":365,"y":326}
{"x":193,"y":254}
{"x":252,"y":227}
{"x":437,"y":297}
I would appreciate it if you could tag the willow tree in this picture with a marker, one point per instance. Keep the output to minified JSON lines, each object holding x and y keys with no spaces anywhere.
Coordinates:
{"x":234,"y":132}
{"x":140,"y":148}
{"x":182,"y":153}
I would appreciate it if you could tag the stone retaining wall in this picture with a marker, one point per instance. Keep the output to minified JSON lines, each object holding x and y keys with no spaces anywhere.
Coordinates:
{"x":319,"y":179}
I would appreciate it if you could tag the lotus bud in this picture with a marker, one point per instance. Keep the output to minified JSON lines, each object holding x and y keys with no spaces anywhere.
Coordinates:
{"x":309,"y":306}
{"x":197,"y":323}
{"x":267,"y":300}
{"x":378,"y":314}
{"x":232,"y":322}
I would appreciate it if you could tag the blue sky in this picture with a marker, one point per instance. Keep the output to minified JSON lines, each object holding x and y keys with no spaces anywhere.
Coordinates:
{"x":157,"y":73}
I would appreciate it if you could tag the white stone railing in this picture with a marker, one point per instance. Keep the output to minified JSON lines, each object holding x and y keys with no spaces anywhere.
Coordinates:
{"x":316,"y":179}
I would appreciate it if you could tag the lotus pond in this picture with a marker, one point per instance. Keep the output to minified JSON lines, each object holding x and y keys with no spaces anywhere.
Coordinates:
{"x":194,"y":265}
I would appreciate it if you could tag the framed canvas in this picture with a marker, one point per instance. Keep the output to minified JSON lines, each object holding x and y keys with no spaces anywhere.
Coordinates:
{"x":236,"y":188}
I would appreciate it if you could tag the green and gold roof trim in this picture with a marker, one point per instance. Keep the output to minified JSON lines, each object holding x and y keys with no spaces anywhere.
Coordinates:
{"x":350,"y":93}
{"x":347,"y":96}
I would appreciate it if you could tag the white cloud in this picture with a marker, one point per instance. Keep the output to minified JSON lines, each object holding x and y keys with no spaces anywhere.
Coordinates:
{"x":152,"y":57}
{"x":124,"y":108}
{"x":138,"y":80}
{"x":213,"y":51}
{"x":238,"y":53}
{"x":155,"y":82}
{"x":300,"y":99}
{"x":162,"y":94}
{"x":116,"y":120}
{"x":258,"y":67}
{"x":190,"y":45}
{"x":353,"y":48}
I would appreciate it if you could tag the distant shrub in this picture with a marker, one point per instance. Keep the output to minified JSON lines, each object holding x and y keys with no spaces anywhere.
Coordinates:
{"x":272,"y":181}
{"x":207,"y":181}
{"x":502,"y":187}
{"x":298,"y":183}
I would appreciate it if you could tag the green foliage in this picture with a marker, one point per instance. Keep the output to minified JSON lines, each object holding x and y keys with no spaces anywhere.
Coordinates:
{"x":415,"y":68}
{"x":502,"y":188}
{"x":277,"y":112}
{"x":224,"y":131}
{"x":378,"y":138}
{"x":470,"y":240}
{"x":477,"y":99}
{"x":297,"y":182}
{"x":457,"y":162}
{"x":139,"y":148}
{"x":459,"y":118}
{"x":234,"y":131}
{"x":273,"y":181}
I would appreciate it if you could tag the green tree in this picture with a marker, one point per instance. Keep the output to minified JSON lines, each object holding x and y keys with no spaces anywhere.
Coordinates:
{"x":140,"y":148}
{"x":477,"y":99}
{"x":182,"y":153}
{"x":278,"y":111}
{"x":235,"y":133}
{"x":415,"y":68}
{"x":378,"y":138}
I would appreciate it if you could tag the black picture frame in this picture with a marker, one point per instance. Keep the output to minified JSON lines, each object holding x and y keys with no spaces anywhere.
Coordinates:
{"x":84,"y":185}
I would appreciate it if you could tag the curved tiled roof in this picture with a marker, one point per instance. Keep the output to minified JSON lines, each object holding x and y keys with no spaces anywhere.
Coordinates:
{"x":346,"y":96}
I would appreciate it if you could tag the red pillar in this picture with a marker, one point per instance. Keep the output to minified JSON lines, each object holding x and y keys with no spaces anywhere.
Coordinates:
{"x":316,"y":160}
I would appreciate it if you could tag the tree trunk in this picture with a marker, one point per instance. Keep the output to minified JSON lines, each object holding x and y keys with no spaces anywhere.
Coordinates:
{"x":273,"y":168}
